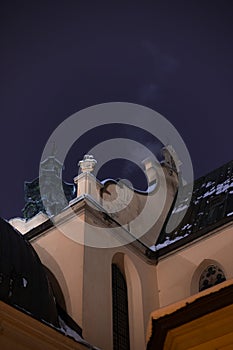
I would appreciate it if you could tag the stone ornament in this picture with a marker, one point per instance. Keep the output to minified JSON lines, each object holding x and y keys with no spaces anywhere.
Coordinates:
{"x":87,"y":164}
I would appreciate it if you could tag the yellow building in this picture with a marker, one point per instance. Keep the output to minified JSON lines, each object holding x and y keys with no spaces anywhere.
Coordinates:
{"x":115,"y":272}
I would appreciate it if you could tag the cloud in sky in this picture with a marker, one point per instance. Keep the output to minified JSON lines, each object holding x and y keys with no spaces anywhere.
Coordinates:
{"x":161,"y":65}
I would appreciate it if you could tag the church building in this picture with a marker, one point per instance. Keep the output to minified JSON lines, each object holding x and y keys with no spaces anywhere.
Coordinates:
{"x":92,"y":264}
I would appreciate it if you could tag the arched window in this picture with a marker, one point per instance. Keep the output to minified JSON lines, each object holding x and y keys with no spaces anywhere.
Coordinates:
{"x":211,"y":276}
{"x":120,"y":310}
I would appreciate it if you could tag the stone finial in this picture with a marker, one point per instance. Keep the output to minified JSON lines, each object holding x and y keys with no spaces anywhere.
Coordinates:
{"x":87,"y":164}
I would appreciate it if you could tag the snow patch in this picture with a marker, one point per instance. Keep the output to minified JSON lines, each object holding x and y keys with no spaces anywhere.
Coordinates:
{"x":209,"y":184}
{"x":25,"y":282}
{"x":180,"y":208}
{"x":220,"y":188}
{"x":208,"y":193}
{"x":186,"y":227}
{"x":71,"y":333}
{"x":167,"y":242}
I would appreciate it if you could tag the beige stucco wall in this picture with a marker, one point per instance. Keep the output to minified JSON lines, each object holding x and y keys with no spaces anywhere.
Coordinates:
{"x":144,"y":214}
{"x":64,"y":258}
{"x":84,"y":275}
{"x":178,"y":273}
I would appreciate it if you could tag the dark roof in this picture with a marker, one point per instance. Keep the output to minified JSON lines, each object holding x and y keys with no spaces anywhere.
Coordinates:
{"x":211,"y":206}
{"x":24,"y":284}
{"x":23,"y":281}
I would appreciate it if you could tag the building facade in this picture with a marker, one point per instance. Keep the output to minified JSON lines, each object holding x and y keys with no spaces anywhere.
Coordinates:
{"x":121,"y":278}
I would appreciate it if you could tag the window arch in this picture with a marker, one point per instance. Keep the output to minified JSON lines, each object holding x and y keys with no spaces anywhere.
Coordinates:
{"x":120,"y":310}
{"x":211,"y":276}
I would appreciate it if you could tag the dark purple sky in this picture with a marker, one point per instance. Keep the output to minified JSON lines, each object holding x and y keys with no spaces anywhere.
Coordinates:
{"x":61,"y":56}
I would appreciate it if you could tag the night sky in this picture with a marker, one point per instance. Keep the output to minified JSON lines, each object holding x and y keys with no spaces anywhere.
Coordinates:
{"x":59,"y":57}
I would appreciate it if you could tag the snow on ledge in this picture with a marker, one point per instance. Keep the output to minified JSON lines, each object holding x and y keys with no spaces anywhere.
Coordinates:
{"x":24,"y":226}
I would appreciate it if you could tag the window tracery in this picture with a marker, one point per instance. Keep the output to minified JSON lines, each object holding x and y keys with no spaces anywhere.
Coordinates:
{"x":211,"y":276}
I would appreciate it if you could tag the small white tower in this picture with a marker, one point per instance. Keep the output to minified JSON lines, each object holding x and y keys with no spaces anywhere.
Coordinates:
{"x":86,"y":182}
